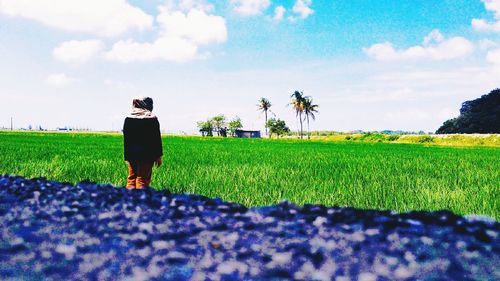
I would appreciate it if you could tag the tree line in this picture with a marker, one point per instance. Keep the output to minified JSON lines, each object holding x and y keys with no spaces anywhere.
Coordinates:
{"x":480,"y":116}
{"x":302,"y":105}
{"x":219,"y":125}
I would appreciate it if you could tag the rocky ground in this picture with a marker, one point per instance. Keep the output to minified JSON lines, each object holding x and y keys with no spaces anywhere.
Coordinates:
{"x":56,"y":231}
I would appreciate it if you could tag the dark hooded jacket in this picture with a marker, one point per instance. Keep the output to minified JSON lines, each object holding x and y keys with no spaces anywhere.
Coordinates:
{"x":142,"y":139}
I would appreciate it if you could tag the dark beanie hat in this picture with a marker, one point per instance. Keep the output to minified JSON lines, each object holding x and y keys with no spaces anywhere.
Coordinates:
{"x":143,"y":102}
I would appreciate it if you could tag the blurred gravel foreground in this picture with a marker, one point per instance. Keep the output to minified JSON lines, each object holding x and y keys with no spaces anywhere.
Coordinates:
{"x":56,"y":231}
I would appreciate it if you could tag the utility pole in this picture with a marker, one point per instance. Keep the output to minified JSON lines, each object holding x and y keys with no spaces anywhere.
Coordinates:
{"x":11,"y":127}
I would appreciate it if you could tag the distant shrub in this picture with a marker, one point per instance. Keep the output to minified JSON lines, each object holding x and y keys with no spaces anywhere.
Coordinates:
{"x":393,"y":137}
{"x":349,"y":137}
{"x":373,"y":137}
{"x":325,"y":133}
{"x":425,"y":139}
{"x":277,"y":126}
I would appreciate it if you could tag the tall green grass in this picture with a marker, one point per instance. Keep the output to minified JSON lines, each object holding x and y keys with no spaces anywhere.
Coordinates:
{"x":399,"y":177}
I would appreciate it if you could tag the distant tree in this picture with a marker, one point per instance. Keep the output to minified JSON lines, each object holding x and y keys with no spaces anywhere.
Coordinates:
{"x":298,"y":106}
{"x":277,"y":126}
{"x":264,"y":105}
{"x":448,"y":127}
{"x":480,"y":116}
{"x":234,"y":125}
{"x":223,"y":132}
{"x":309,"y":110}
{"x":219,"y":122}
{"x":206,"y":127}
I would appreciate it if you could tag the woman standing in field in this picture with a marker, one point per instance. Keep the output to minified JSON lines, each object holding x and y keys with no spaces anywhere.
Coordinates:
{"x":142,"y":143}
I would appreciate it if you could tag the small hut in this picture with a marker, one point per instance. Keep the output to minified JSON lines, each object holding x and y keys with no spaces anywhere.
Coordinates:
{"x":246,"y":134}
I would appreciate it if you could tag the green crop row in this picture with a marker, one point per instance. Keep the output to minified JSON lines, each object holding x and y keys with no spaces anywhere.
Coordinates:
{"x":492,"y":140}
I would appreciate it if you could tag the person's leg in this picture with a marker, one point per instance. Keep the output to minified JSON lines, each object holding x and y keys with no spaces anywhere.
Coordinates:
{"x":132,"y":175}
{"x":144,"y":171}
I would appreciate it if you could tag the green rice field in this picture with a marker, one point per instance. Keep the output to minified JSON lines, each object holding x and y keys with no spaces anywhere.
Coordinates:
{"x":256,"y":172}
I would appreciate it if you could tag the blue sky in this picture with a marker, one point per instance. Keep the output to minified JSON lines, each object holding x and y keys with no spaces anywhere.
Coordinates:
{"x":369,"y":64}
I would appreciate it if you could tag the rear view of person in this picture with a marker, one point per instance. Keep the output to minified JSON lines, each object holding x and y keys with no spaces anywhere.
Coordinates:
{"x":142,"y":143}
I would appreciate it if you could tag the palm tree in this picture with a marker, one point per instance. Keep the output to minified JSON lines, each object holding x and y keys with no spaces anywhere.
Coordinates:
{"x":264,"y":105}
{"x":298,"y":105}
{"x":309,"y":110}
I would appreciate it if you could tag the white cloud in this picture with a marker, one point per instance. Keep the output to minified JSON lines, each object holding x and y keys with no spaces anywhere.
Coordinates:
{"x":415,"y":114}
{"x":187,"y":5}
{"x":448,"y":113}
{"x":377,"y":95}
{"x":59,"y":80}
{"x":483,"y":25}
{"x":433,"y":80}
{"x":494,"y":6}
{"x":77,"y":51}
{"x":164,"y":48}
{"x":104,"y":18}
{"x":279,"y":13}
{"x":119,"y":85}
{"x":180,"y":36}
{"x":487,"y":44}
{"x":435,"y":47}
{"x":250,"y":7}
{"x":493,"y":56}
{"x":302,"y":8}
{"x":195,"y":26}
{"x":434,"y":37}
